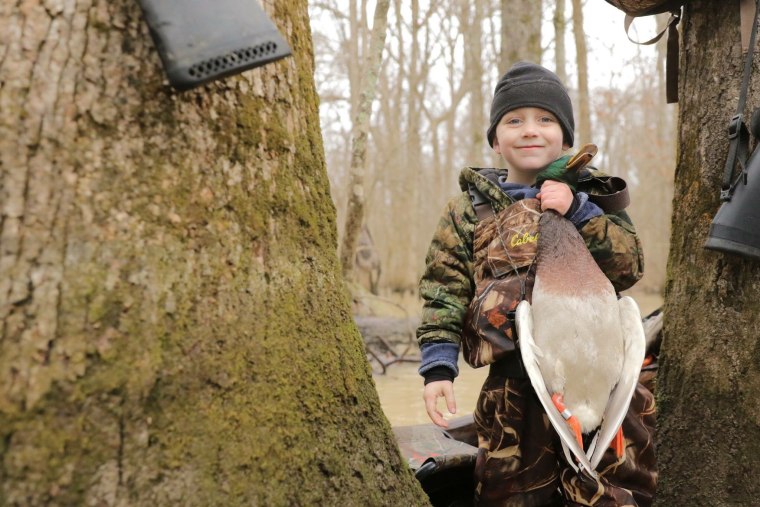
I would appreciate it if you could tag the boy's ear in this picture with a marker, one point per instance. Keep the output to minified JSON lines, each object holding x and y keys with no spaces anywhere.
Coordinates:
{"x":495,"y":146}
{"x":565,"y":147}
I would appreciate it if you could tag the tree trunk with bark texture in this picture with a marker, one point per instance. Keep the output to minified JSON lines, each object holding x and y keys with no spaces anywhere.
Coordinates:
{"x":709,"y":379}
{"x":560,"y":25}
{"x":584,"y":109}
{"x":359,"y":136}
{"x":471,"y":16}
{"x":520,"y":32}
{"x":174,"y":325}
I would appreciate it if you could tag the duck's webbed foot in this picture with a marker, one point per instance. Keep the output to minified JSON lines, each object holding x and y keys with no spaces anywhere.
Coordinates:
{"x":618,"y":443}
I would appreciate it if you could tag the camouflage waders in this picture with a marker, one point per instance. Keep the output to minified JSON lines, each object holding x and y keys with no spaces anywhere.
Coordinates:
{"x":520,"y":461}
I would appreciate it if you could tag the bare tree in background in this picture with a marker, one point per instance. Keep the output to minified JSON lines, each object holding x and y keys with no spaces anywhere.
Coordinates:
{"x":403,"y":158}
{"x":560,"y":25}
{"x":168,"y":262}
{"x":408,"y":176}
{"x":471,"y":20}
{"x":636,"y":131}
{"x":584,"y":111}
{"x":646,"y":160}
{"x":356,"y":200}
{"x":340,"y":52}
{"x":520,"y":32}
{"x":421,"y":126}
{"x":708,"y":391}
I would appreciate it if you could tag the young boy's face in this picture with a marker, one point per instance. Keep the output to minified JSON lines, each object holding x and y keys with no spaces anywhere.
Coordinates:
{"x":529,"y":139}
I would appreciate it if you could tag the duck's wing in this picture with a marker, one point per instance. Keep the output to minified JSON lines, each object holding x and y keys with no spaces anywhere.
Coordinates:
{"x":634,"y":348}
{"x":530,"y":355}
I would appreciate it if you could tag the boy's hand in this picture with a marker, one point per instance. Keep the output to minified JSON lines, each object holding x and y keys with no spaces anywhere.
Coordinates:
{"x":432,"y":392}
{"x":555,"y":195}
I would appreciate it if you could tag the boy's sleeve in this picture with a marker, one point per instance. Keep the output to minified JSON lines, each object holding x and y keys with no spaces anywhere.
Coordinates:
{"x":612,"y":240}
{"x":446,"y":286}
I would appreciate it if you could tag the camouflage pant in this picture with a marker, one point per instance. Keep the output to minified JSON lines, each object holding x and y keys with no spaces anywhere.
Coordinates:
{"x":521,"y":463}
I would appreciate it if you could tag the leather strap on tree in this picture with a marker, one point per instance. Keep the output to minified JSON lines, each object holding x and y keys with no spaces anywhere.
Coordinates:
{"x":738,"y":134}
{"x":747,"y":15}
{"x":671,"y":66}
{"x":671,"y":61}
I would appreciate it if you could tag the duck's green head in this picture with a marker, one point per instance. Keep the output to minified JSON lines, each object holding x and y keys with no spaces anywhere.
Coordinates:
{"x":567,"y":168}
{"x":559,"y":171}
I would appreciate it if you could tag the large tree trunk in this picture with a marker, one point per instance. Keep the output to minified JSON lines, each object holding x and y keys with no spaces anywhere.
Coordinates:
{"x":174,"y":328}
{"x":709,"y":380}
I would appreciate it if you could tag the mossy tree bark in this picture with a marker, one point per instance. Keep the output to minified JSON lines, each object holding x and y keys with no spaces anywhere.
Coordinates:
{"x":174,"y":327}
{"x":709,"y":380}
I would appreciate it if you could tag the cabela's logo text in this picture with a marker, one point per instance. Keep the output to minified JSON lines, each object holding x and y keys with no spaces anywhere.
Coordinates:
{"x":518,"y":240}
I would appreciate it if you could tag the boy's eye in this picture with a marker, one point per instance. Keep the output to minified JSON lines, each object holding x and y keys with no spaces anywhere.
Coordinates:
{"x":546,"y":119}
{"x":513,"y":121}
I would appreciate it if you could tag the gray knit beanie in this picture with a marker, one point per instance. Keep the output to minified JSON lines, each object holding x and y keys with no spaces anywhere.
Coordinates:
{"x":530,"y":85}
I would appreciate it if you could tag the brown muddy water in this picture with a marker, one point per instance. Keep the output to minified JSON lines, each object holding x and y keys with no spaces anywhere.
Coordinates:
{"x":400,"y":388}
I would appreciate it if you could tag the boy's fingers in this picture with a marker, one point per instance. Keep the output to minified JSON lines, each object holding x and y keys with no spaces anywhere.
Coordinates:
{"x":430,"y":395}
{"x":433,"y":413}
{"x":555,"y":195}
{"x":438,"y":420}
{"x":448,"y":393}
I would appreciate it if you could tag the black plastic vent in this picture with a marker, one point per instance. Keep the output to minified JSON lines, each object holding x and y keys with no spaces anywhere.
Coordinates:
{"x":238,"y":58}
{"x":199,"y":42}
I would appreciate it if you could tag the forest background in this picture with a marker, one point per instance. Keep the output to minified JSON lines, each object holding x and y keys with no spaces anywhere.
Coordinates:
{"x":440,"y":62}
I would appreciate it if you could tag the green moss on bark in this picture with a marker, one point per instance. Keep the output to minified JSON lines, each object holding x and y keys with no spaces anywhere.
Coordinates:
{"x":204,"y":351}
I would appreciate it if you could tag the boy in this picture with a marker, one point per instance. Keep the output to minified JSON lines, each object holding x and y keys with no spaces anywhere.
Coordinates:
{"x":475,"y":276}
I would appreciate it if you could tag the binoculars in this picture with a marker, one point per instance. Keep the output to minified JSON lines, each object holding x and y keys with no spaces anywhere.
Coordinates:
{"x":736,"y":227}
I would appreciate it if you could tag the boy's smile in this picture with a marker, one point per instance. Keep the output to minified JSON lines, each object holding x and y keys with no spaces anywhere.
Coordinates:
{"x":529,"y":139}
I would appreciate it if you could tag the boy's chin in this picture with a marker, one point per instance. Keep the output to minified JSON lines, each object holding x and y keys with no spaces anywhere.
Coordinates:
{"x":530,"y":164}
{"x":530,"y":168}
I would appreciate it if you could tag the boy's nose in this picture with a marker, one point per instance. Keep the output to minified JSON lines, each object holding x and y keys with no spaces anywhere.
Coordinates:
{"x":530,"y":129}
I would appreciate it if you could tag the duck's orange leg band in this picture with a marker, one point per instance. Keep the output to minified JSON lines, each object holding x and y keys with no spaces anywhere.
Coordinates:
{"x":572,"y":421}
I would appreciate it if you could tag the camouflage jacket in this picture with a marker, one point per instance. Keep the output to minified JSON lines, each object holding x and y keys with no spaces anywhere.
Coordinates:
{"x":447,"y":285}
